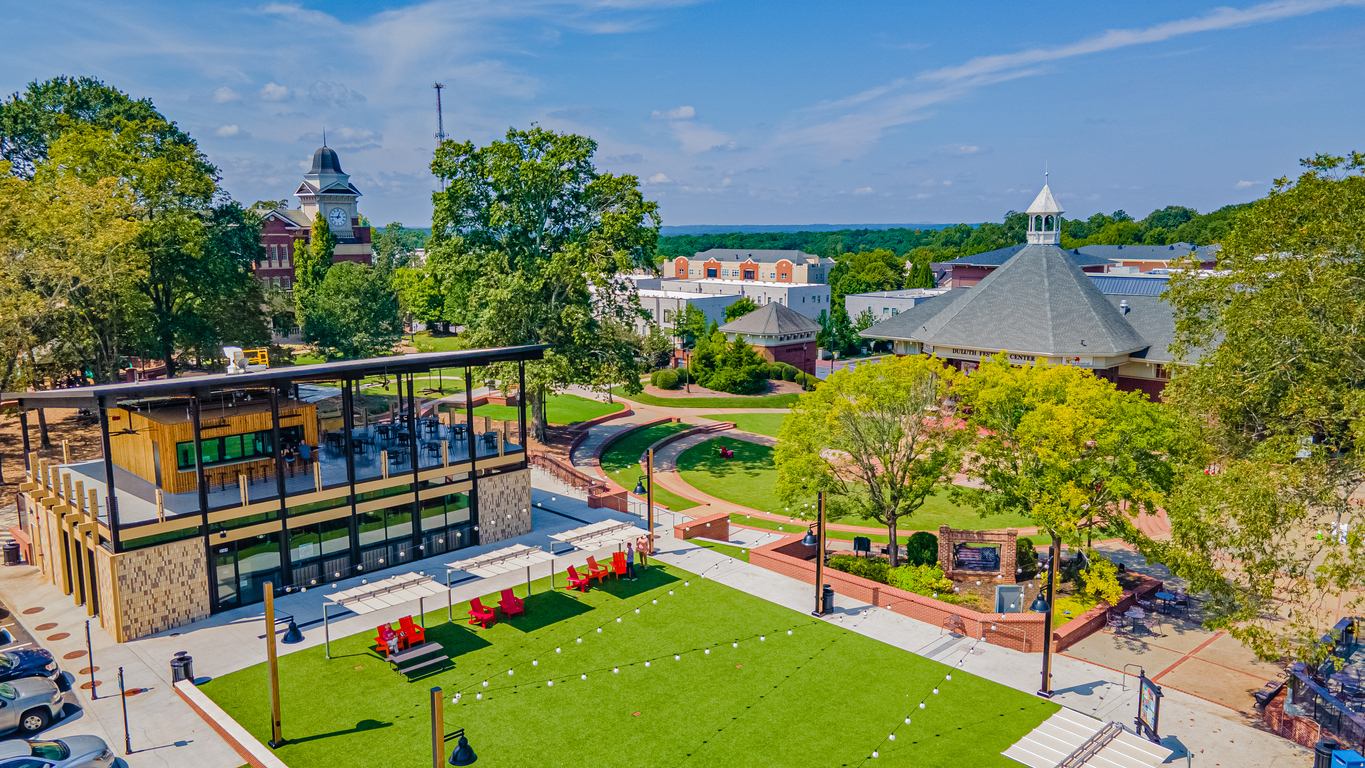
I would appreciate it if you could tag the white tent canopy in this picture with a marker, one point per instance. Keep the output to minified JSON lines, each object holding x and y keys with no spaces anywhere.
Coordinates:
{"x":502,"y":560}
{"x":395,"y":590}
{"x":600,"y":535}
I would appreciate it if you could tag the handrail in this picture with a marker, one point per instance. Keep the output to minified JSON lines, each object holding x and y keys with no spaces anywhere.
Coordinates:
{"x":1141,"y":671}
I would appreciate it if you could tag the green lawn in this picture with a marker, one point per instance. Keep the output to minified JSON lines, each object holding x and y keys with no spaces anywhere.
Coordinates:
{"x":733,"y":401}
{"x":425,"y":342}
{"x":559,"y":409}
{"x":725,"y":549}
{"x":621,"y":462}
{"x":750,"y":476}
{"x":759,"y":697}
{"x":451,"y":382}
{"x":758,"y":423}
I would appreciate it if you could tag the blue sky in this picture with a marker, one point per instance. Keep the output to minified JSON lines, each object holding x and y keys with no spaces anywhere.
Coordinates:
{"x":745,"y":112}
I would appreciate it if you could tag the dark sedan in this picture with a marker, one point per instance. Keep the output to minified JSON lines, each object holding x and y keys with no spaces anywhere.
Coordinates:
{"x":27,"y":662}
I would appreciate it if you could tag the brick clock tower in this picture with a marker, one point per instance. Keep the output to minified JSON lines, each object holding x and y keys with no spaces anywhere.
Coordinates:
{"x":326,"y":189}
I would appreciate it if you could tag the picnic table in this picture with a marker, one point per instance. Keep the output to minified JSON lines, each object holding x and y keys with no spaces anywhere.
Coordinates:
{"x":414,"y":653}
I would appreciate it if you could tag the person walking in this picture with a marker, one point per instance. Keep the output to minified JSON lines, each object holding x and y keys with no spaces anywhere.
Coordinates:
{"x":630,"y":562}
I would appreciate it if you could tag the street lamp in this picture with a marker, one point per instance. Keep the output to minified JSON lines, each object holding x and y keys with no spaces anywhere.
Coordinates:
{"x":1044,"y":605}
{"x":463,"y":754}
{"x":819,"y":553}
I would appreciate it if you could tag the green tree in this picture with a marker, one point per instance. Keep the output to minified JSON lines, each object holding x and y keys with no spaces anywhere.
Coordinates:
{"x":31,"y":122}
{"x":1064,"y":448}
{"x":392,"y":246}
{"x":692,"y":326}
{"x":1277,"y":400}
{"x":199,"y":250}
{"x":740,"y":308}
{"x":532,"y":238}
{"x":354,"y":314}
{"x":312,"y":259}
{"x":877,"y":440}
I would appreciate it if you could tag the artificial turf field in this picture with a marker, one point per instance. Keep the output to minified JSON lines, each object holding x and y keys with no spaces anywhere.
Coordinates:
{"x":821,"y":696}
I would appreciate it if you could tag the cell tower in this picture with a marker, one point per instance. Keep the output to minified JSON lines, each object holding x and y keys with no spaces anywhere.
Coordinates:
{"x":440,"y":123}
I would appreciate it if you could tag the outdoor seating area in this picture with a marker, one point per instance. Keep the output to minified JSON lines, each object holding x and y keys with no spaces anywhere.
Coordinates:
{"x":668,"y":632}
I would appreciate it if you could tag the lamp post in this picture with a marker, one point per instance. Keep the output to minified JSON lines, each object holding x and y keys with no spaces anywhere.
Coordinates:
{"x":464,"y":754}
{"x":276,"y":731}
{"x":645,"y":487}
{"x":1047,"y":606}
{"x":817,"y":539}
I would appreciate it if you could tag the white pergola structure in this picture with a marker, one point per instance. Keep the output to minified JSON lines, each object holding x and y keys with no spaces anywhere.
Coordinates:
{"x":591,"y":538}
{"x":366,"y":598}
{"x":502,"y":560}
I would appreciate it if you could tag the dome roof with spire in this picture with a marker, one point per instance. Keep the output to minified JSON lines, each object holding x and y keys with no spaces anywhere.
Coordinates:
{"x":325,"y":160}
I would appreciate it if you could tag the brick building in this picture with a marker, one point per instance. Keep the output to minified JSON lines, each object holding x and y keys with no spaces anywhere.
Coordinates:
{"x":778,"y":333}
{"x":750,"y":264}
{"x":326,"y":189}
{"x":1039,"y":304}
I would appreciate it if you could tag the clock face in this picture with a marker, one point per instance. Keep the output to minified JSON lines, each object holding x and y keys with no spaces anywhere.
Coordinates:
{"x":337,"y":217}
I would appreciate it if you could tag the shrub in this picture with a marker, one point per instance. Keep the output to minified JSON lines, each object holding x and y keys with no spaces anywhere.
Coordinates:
{"x":666,"y":379}
{"x":922,"y":580}
{"x":738,"y":381}
{"x":1025,"y":557}
{"x":875,"y":569}
{"x":922,"y":548}
{"x":788,"y":372}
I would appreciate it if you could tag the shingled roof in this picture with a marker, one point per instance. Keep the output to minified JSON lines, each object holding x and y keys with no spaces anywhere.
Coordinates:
{"x":1038,"y":302}
{"x":772,"y":319}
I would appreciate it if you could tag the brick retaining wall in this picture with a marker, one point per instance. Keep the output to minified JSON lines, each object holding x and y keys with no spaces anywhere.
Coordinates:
{"x":715,"y":526}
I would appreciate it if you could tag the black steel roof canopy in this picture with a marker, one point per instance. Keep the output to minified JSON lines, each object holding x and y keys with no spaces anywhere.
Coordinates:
{"x":89,"y":397}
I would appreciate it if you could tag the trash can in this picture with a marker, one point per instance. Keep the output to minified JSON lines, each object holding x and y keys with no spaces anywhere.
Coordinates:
{"x":12,"y":553}
{"x":1322,"y":753}
{"x":182,"y":667}
{"x":827,"y":603}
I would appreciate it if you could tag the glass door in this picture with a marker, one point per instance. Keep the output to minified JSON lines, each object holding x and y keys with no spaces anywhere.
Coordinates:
{"x":225,"y":570}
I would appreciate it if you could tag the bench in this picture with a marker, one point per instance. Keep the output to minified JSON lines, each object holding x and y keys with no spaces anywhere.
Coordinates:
{"x":1268,"y":691}
{"x":412,"y":654}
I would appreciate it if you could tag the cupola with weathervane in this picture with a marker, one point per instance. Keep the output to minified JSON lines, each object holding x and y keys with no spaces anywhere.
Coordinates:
{"x":328,"y":189}
{"x":1044,"y":218}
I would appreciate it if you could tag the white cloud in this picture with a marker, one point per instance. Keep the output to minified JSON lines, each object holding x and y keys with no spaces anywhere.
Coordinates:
{"x":324,"y":92}
{"x":1217,"y":19}
{"x":947,"y":183}
{"x":227,"y":130}
{"x":275,"y":92}
{"x":346,"y":137}
{"x":863,"y":191}
{"x":962,"y":149}
{"x":660,"y":178}
{"x":874,"y":110}
{"x":225,"y":94}
{"x":677,"y":113}
{"x":1245,"y":184}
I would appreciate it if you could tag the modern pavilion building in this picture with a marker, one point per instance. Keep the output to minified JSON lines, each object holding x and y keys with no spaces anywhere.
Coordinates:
{"x":211,"y":486}
{"x":1040,"y":304}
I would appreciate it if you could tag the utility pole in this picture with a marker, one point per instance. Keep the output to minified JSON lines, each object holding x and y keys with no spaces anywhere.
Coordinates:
{"x":276,"y":732}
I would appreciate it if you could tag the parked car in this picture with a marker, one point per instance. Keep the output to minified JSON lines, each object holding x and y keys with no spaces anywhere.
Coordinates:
{"x":29,"y":704}
{"x":69,"y":752}
{"x":27,"y":662}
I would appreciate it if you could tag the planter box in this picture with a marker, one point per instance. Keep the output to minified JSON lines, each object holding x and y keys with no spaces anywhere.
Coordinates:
{"x":715,"y":526}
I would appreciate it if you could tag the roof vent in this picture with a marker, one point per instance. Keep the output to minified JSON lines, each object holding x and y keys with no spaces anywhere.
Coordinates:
{"x":1076,"y":251}
{"x":1120,"y":247}
{"x":1171,"y":247}
{"x":1123,"y":306}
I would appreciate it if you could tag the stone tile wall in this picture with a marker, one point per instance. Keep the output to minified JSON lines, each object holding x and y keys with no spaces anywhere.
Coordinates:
{"x":159,"y":588}
{"x":504,"y":506}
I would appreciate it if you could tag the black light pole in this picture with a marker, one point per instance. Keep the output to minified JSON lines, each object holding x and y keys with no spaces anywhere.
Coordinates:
{"x":90,"y":656}
{"x":818,"y":539}
{"x":1047,"y":606}
{"x":123,"y":699}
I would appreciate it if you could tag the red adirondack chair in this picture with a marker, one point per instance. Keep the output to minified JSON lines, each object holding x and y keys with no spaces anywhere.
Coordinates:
{"x":577,"y":582}
{"x":511,"y":604}
{"x":596,"y":571}
{"x":479,"y":614}
{"x":618,"y":564}
{"x":380,"y":642}
{"x":415,"y":634}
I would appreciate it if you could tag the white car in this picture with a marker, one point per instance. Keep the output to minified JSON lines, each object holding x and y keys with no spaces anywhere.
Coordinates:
{"x":70,"y":752}
{"x":29,"y":704}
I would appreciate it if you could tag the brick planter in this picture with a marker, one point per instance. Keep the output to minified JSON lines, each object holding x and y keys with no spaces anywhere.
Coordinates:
{"x":715,"y":526}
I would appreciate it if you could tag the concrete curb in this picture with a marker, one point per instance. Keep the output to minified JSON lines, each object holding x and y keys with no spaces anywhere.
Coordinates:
{"x":247,"y":747}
